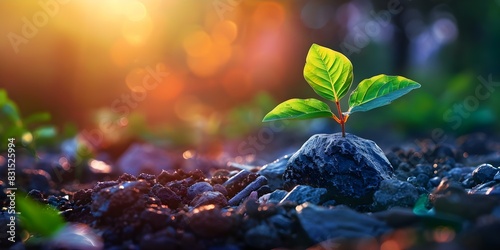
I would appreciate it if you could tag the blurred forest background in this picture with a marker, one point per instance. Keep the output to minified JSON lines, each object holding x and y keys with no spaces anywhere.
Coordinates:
{"x":182,"y":73}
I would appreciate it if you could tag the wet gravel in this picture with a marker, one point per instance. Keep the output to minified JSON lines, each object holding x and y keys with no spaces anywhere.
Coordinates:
{"x":436,"y":199}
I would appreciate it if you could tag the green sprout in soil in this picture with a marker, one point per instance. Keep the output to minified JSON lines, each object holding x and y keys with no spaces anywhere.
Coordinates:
{"x":330,"y":75}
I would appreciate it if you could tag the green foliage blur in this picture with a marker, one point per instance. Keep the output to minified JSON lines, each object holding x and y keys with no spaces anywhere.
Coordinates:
{"x":26,"y":131}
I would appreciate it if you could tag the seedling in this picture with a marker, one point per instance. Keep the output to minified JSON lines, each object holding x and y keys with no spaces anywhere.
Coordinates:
{"x":330,"y":75}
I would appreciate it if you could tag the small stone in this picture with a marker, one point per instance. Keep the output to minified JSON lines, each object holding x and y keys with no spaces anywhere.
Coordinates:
{"x":209,"y":197}
{"x":303,"y":193}
{"x":277,"y":196}
{"x":274,"y":172}
{"x":254,"y":186}
{"x":263,"y":190}
{"x":198,"y":188}
{"x":455,"y":174}
{"x":340,"y":222}
{"x":497,"y":177}
{"x":168,"y":197}
{"x":484,"y":173}
{"x":434,"y":181}
{"x":221,"y":189}
{"x":424,"y":169}
{"x":350,"y":168}
{"x":394,"y":193}
{"x":150,"y":178}
{"x":488,"y":188}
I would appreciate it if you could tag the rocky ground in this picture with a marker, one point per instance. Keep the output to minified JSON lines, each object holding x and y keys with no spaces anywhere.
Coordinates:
{"x":334,"y":193}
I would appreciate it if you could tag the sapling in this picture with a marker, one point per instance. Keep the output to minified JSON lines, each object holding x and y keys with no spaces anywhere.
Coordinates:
{"x":330,"y":75}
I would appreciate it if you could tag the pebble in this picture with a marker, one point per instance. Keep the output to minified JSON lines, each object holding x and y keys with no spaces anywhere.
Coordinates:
{"x":277,"y":196}
{"x":394,"y":193}
{"x":274,"y":172}
{"x":484,"y":173}
{"x":168,"y":197}
{"x":303,"y":193}
{"x":209,"y":197}
{"x":340,"y":222}
{"x":198,"y":188}
{"x":254,"y":186}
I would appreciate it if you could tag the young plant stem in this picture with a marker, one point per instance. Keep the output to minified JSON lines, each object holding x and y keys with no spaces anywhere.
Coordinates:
{"x":341,"y":118}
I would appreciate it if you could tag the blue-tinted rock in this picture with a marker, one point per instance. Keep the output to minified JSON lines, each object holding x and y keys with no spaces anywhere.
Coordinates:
{"x":350,"y":168}
{"x":488,"y":188}
{"x":322,"y":224}
{"x":394,"y":193}
{"x":277,"y":196}
{"x":497,"y":177}
{"x":209,"y":197}
{"x":484,"y":173}
{"x":302,"y":193}
{"x":274,"y":172}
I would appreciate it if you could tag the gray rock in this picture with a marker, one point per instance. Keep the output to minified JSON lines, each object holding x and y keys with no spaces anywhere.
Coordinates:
{"x":253,"y":186}
{"x":302,"y":193}
{"x":497,"y":177}
{"x":488,"y":188}
{"x":322,"y":224}
{"x":350,"y":168}
{"x":141,"y":158}
{"x":274,"y":172}
{"x":198,"y":188}
{"x":484,"y":173}
{"x":277,"y":196}
{"x":209,"y":197}
{"x":263,"y":237}
{"x":394,"y":193}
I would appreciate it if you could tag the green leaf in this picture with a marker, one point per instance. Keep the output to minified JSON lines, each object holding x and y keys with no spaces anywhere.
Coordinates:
{"x":328,"y":72}
{"x":3,"y":97}
{"x":420,"y":205}
{"x":378,"y":91}
{"x":299,"y":109}
{"x":38,"y":218}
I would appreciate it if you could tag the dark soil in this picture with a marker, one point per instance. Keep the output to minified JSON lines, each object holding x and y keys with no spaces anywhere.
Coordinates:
{"x":214,"y":206}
